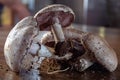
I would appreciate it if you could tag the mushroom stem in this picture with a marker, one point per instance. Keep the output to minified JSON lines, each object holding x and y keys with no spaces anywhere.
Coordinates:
{"x":85,"y":61}
{"x":57,"y":31}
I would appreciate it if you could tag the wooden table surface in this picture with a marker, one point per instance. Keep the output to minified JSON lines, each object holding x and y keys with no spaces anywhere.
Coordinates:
{"x":112,"y":35}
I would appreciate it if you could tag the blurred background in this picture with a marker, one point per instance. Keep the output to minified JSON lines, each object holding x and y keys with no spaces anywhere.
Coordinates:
{"x":88,"y":12}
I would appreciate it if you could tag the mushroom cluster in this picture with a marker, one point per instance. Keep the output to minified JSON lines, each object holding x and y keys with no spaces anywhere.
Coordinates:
{"x":46,"y":43}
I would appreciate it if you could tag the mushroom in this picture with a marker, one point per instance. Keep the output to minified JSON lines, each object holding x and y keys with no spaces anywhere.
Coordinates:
{"x":22,"y":45}
{"x":21,"y":49}
{"x":97,"y":50}
{"x":100,"y":52}
{"x":25,"y":45}
{"x":55,"y":17}
{"x":19,"y":41}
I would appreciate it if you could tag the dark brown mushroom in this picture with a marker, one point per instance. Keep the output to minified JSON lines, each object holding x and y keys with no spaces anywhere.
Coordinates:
{"x":55,"y":17}
{"x":97,"y":50}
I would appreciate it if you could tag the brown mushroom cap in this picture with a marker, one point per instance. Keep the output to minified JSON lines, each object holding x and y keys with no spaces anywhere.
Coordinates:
{"x":45,"y":17}
{"x":102,"y":51}
{"x":18,"y":41}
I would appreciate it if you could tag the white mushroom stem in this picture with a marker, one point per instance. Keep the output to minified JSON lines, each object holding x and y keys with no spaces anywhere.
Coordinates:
{"x":44,"y":51}
{"x":57,"y":31}
{"x":86,"y":61}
